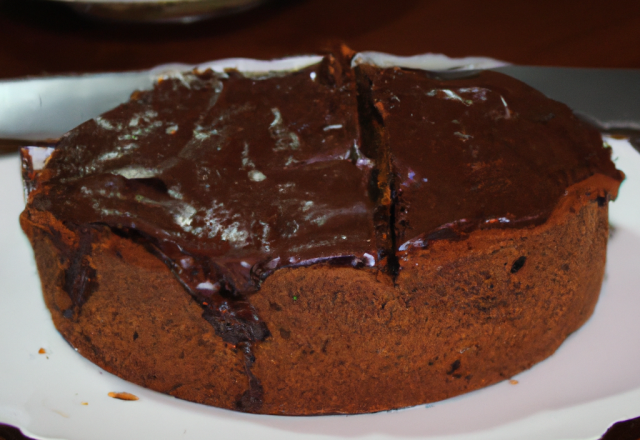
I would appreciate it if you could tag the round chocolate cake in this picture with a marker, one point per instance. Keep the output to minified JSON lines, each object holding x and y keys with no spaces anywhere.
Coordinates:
{"x":333,"y":239}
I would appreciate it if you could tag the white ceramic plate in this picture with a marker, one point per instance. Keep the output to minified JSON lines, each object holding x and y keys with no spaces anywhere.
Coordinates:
{"x":591,"y":382}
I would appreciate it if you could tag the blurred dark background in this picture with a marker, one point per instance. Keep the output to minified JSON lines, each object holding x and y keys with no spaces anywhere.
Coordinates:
{"x":46,"y":37}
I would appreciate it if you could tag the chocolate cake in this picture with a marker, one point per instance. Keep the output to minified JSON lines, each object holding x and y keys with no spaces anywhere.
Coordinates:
{"x":326,"y":240}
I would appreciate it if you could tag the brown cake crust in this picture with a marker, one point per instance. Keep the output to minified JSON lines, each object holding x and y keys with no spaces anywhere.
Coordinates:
{"x":463,"y":314}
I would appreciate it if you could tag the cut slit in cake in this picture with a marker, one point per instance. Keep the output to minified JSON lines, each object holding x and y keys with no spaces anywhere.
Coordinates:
{"x":351,"y":239}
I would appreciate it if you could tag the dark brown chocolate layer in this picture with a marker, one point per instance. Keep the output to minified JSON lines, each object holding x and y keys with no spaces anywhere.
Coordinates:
{"x":232,"y":176}
{"x":476,"y":150}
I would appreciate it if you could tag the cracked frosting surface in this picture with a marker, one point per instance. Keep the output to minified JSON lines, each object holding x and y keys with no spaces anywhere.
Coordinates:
{"x":227,"y":178}
{"x":478,"y":150}
{"x":249,"y":173}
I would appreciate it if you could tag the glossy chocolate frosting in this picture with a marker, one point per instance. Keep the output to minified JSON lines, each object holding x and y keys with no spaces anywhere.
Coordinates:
{"x":476,"y":150}
{"x":226,"y":178}
{"x":229,"y":177}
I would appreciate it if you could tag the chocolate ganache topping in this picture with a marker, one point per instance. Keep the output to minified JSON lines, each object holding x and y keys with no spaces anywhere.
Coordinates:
{"x":474,"y":150}
{"x":229,"y":177}
{"x":226,"y":178}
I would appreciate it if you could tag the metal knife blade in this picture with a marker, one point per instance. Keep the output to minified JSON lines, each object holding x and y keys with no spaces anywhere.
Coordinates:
{"x":46,"y":108}
{"x":609,"y":98}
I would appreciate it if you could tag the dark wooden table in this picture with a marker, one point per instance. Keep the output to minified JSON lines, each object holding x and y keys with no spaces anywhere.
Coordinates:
{"x":41,"y":37}
{"x":37,"y":37}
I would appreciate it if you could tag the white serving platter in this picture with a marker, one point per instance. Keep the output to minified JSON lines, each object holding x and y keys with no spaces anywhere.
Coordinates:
{"x":591,"y":382}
